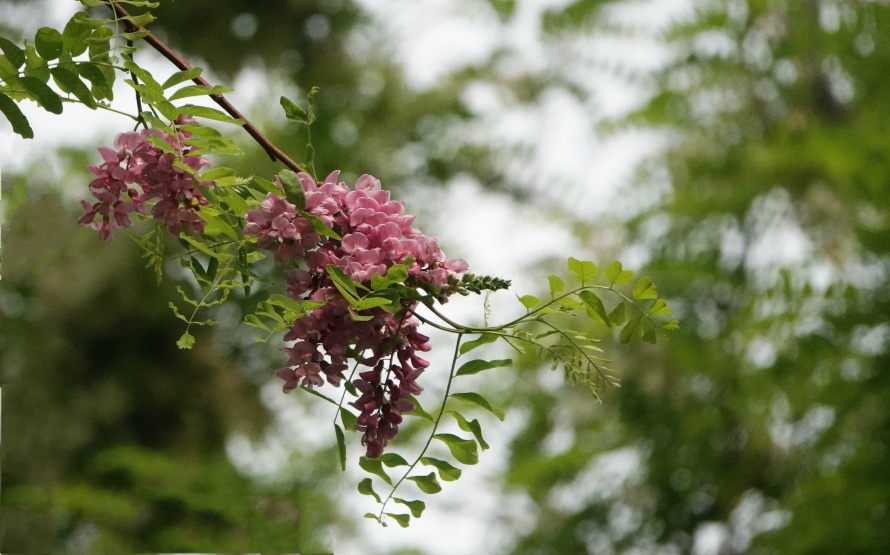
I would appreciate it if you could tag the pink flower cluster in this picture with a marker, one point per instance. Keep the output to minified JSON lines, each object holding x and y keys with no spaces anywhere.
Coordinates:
{"x":375,"y":235}
{"x":151,"y":171}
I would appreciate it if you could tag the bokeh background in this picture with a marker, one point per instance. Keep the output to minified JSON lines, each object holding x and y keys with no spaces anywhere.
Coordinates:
{"x":737,"y":151}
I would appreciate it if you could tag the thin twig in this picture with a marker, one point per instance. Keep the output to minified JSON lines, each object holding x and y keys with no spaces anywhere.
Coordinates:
{"x":273,"y":151}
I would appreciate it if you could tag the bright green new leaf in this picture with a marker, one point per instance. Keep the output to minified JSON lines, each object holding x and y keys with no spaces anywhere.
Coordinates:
{"x":16,"y":117}
{"x":660,"y":308}
{"x":97,"y":78}
{"x":447,"y":472}
{"x":100,"y":44}
{"x":482,"y":340}
{"x":427,"y":484}
{"x":341,"y":446}
{"x":584,"y":270}
{"x":293,"y":111}
{"x":44,"y":95}
{"x":186,"y":341}
{"x":348,"y":419}
{"x":529,"y":301}
{"x":182,"y":77}
{"x":252,"y":320}
{"x":616,"y":275}
{"x":557,"y":285}
{"x":403,"y":520}
{"x":198,"y":90}
{"x":365,"y":488}
{"x":13,"y":53}
{"x":478,"y":365}
{"x":216,"y":173}
{"x":671,"y":325}
{"x":645,"y":289}
{"x":416,"y":507}
{"x":375,"y":467}
{"x":144,"y":76}
{"x":481,"y":401}
{"x":471,"y":426}
{"x":49,"y":43}
{"x":595,"y":305}
{"x":36,"y":65}
{"x":208,"y":113}
{"x":464,"y":450}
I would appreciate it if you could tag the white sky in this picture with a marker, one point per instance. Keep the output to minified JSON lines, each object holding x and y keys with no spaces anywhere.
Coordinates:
{"x":580,"y":171}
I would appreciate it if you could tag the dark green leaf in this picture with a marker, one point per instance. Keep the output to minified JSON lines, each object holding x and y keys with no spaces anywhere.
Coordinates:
{"x":374,"y":466}
{"x":617,"y":315}
{"x":464,"y":450}
{"x":36,"y":65}
{"x":482,"y":340}
{"x":343,"y":282}
{"x":477,"y":399}
{"x":97,"y":78}
{"x":403,"y":520}
{"x":616,"y":275}
{"x":478,"y":365}
{"x":13,"y":53}
{"x":418,"y":410}
{"x":392,"y":460}
{"x":341,"y":446}
{"x":293,"y":188}
{"x":70,"y":82}
{"x":49,"y":43}
{"x":596,"y":306}
{"x":43,"y":94}
{"x":140,"y":20}
{"x":447,"y":472}
{"x":100,"y":43}
{"x":75,"y":35}
{"x":16,"y":117}
{"x":208,"y":113}
{"x":181,"y":77}
{"x":427,"y":484}
{"x":632,"y":331}
{"x":372,"y":516}
{"x":471,"y":426}
{"x":365,"y":488}
{"x":416,"y":507}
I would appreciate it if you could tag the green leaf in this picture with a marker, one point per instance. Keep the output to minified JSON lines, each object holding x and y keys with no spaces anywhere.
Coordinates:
{"x":464,"y":450}
{"x":198,"y":90}
{"x":584,"y":270}
{"x":140,"y":20}
{"x":35,"y":64}
{"x":418,"y":410}
{"x":293,"y":188}
{"x":529,"y":301}
{"x":208,"y":113}
{"x":341,"y":446}
{"x":75,"y":35}
{"x":478,"y":365}
{"x":481,"y":401}
{"x":447,"y":472}
{"x":97,"y":78}
{"x":671,"y":325}
{"x":266,"y":186}
{"x":403,"y":520}
{"x":471,"y":426}
{"x":343,"y":283}
{"x":645,"y":289}
{"x":349,"y":420}
{"x":320,"y":227}
{"x":505,"y":8}
{"x":616,"y":275}
{"x":16,"y":117}
{"x":416,"y":507}
{"x":13,"y":53}
{"x":482,"y":340}
{"x":372,"y":516}
{"x":632,"y":331}
{"x":427,"y":484}
{"x":186,"y":341}
{"x":374,"y":466}
{"x":596,"y":306}
{"x":44,"y":95}
{"x":70,"y":82}
{"x":100,"y":44}
{"x":392,"y":460}
{"x":49,"y":43}
{"x":365,"y":488}
{"x":660,"y":308}
{"x":617,"y":315}
{"x":252,"y":320}
{"x":557,"y":285}
{"x":293,"y":111}
{"x":181,"y":77}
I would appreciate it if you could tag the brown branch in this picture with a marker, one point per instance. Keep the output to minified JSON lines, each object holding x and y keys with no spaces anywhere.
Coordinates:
{"x":273,"y":151}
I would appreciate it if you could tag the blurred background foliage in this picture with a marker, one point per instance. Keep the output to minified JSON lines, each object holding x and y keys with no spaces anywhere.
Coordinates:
{"x":760,"y":427}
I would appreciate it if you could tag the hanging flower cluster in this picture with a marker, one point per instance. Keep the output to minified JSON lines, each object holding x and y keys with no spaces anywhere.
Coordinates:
{"x":152,"y":173}
{"x":374,"y":235}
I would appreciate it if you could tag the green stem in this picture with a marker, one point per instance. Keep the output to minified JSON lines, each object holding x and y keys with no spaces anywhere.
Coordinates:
{"x":429,"y":440}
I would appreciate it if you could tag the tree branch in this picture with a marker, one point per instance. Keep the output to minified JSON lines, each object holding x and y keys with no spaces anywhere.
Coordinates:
{"x":273,"y":151}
